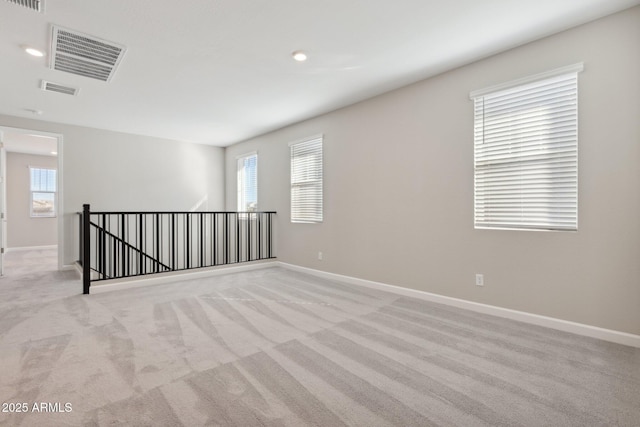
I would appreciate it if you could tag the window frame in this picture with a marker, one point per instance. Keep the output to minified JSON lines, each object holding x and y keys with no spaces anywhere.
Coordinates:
{"x":539,"y":209}
{"x":33,"y":192}
{"x":317,"y":215}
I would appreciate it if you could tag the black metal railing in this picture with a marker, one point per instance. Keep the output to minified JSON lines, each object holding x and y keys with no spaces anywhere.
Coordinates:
{"x":126,"y":244}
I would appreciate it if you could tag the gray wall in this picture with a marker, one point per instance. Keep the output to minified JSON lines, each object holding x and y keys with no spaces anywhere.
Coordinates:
{"x":22,"y":230}
{"x":117,"y":171}
{"x":399,"y":187}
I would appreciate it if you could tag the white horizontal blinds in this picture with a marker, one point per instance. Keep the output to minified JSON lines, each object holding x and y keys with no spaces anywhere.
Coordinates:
{"x":43,"y":179}
{"x":306,"y":181}
{"x":526,"y":156}
{"x":248,"y":183}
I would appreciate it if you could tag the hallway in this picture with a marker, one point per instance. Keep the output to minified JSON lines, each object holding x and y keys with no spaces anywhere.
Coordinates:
{"x":19,"y":262}
{"x":30,"y":273}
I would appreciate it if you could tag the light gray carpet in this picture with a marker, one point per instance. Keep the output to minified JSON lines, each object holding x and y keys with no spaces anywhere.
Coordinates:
{"x":277,"y":348}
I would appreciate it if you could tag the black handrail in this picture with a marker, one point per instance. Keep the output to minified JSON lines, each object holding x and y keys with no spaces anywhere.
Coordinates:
{"x":135,"y":243}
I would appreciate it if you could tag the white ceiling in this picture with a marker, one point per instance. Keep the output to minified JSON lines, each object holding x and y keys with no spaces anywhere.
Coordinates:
{"x":220,"y":71}
{"x":19,"y":141}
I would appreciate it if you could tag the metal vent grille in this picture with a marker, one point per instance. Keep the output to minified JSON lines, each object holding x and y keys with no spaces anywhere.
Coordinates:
{"x":84,"y":55}
{"x":57,"y":87}
{"x":37,"y":5}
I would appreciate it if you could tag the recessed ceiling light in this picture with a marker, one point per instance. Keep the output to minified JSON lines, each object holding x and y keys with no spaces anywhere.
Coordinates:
{"x":54,"y":152}
{"x":299,"y":56}
{"x":34,"y":52}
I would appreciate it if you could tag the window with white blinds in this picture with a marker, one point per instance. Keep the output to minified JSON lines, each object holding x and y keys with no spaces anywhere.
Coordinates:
{"x":526,"y":153}
{"x":306,"y":180}
{"x":43,"y":192}
{"x":248,"y":183}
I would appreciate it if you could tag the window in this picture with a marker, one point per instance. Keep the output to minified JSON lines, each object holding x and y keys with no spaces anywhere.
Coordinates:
{"x":306,"y":180}
{"x":526,"y":153}
{"x":43,"y":192}
{"x":248,"y":183}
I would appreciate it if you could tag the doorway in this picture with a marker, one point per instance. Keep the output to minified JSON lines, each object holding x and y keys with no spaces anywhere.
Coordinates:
{"x":30,"y":196}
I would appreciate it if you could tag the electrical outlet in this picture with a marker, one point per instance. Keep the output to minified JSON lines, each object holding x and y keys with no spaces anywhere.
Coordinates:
{"x":320,"y":256}
{"x":479,"y":279}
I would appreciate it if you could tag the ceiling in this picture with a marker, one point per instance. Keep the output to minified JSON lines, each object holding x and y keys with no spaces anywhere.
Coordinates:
{"x":19,"y":141}
{"x":220,"y":71}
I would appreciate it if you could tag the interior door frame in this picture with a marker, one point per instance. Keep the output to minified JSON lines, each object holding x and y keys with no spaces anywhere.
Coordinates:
{"x":3,"y":202}
{"x":59,"y":183}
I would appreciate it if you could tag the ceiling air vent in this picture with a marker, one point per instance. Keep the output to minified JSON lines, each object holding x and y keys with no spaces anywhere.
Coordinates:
{"x":57,"y":87}
{"x":37,"y":5}
{"x":84,"y":55}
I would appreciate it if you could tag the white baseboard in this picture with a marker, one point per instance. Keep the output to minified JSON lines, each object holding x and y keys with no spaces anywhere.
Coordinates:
{"x":534,"y":319}
{"x":32,"y":248}
{"x":163,"y":278}
{"x":75,"y":267}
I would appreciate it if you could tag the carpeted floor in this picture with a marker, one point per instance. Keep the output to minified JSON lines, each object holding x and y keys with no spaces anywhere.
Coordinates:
{"x":278,"y":348}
